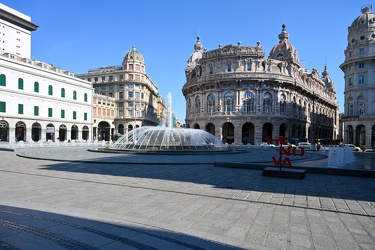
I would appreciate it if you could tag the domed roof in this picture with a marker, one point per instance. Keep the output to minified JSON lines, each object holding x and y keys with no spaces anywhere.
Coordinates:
{"x":327,"y":80}
{"x":284,"y":50}
{"x":132,"y":55}
{"x":364,"y":20}
{"x":196,"y":55}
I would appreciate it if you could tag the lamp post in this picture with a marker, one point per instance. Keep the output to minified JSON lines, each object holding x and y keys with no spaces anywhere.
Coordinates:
{"x":313,"y":145}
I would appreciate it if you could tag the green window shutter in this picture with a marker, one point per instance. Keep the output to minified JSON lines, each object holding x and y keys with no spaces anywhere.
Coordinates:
{"x":2,"y":80}
{"x":36,"y":110}
{"x":62,"y":113}
{"x":74,"y":115}
{"x":20,"y":109}
{"x":85,"y":116}
{"x":63,"y":92}
{"x":50,"y":90}
{"x":49,"y":112}
{"x":36,"y":87}
{"x":20,"y":83}
{"x":74,"y":95}
{"x":85,"y":97}
{"x":3,"y":107}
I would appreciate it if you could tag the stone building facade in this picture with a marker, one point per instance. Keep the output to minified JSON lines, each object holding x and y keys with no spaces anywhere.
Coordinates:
{"x":241,"y":97}
{"x":359,"y":70}
{"x":136,"y":97}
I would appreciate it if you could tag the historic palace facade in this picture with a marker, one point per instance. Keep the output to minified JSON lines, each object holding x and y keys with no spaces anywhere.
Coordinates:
{"x":130,"y":98}
{"x":359,"y":70}
{"x":241,"y":97}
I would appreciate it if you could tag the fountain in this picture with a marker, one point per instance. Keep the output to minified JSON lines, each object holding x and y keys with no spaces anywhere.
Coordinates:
{"x":166,"y":138}
{"x":339,"y":156}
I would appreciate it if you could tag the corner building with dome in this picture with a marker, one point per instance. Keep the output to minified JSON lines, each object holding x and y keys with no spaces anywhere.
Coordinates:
{"x":241,"y":97}
{"x":125,"y":97}
{"x":359,"y":74}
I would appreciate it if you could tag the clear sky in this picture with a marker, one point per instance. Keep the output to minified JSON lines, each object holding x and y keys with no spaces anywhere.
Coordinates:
{"x":78,"y":35}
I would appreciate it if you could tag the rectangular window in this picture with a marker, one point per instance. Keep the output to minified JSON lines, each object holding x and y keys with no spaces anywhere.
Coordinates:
{"x":130,"y":66}
{"x":50,"y":112}
{"x":103,"y":78}
{"x":130,"y":95}
{"x":130,"y":76}
{"x":121,"y":95}
{"x":121,"y":86}
{"x":130,"y":112}
{"x":85,"y":116}
{"x":74,"y":115}
{"x":110,"y":87}
{"x":130,"y":104}
{"x":121,"y":77}
{"x":110,"y":78}
{"x":361,"y":51}
{"x":137,"y":95}
{"x":104,"y":88}
{"x":229,"y":68}
{"x":137,"y":67}
{"x":3,"y":107}
{"x":130,"y":85}
{"x":361,"y":65}
{"x":96,"y":90}
{"x":350,"y":81}
{"x":62,"y":113}
{"x":361,"y":79}
{"x":20,"y":109}
{"x":249,"y":66}
{"x":110,"y":94}
{"x":211,"y":70}
{"x":36,"y":110}
{"x":137,"y":77}
{"x":89,"y":79}
{"x":96,"y":79}
{"x":20,"y":83}
{"x":142,"y":95}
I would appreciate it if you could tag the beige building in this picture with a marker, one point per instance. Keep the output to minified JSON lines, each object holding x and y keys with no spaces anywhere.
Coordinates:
{"x":136,"y":98}
{"x":359,"y":70}
{"x":241,"y":97}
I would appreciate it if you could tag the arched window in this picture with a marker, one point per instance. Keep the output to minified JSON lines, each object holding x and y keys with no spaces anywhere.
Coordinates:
{"x":211,"y":103}
{"x":197,"y":106}
{"x":74,"y":95}
{"x":85,"y":97}
{"x":283,"y":103}
{"x":228,"y":102}
{"x":20,"y":83}
{"x":360,"y":105}
{"x":62,"y":92}
{"x":2,"y":80}
{"x":249,"y":102}
{"x":50,"y":90}
{"x":36,"y":87}
{"x":267,"y":102}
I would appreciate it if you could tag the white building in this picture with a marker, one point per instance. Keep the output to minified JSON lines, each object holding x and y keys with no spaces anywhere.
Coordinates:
{"x":15,"y":32}
{"x":359,"y":70}
{"x":38,"y":101}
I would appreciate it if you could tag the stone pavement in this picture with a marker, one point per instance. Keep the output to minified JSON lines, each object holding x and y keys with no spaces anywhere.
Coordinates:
{"x":105,"y":201}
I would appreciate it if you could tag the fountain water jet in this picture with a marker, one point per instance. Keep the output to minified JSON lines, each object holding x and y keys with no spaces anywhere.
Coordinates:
{"x":166,"y":138}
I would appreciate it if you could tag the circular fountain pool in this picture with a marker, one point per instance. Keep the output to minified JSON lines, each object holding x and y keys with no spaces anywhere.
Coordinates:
{"x":166,"y":139}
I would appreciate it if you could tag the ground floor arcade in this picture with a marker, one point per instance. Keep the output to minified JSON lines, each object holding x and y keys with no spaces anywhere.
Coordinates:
{"x":12,"y":130}
{"x":241,"y":132}
{"x":360,"y":133}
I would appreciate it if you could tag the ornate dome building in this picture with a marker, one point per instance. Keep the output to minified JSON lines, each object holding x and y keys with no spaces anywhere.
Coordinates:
{"x":241,"y":97}
{"x":359,"y":70}
{"x":130,"y":96}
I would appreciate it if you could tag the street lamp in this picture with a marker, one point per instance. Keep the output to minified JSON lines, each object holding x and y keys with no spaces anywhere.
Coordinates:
{"x":314,"y":98}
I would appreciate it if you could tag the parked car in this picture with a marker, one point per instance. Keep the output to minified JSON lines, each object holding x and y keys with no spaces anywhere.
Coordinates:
{"x":266,"y":145}
{"x":305,"y":145}
{"x":353,"y":147}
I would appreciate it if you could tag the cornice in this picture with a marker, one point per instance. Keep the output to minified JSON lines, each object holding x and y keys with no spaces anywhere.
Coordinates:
{"x":17,"y":20}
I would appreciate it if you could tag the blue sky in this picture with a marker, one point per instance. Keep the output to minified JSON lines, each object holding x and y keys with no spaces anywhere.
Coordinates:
{"x":82,"y":35}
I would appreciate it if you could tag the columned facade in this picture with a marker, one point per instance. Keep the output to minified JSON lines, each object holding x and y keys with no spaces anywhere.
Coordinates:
{"x":359,"y":70}
{"x":241,"y":97}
